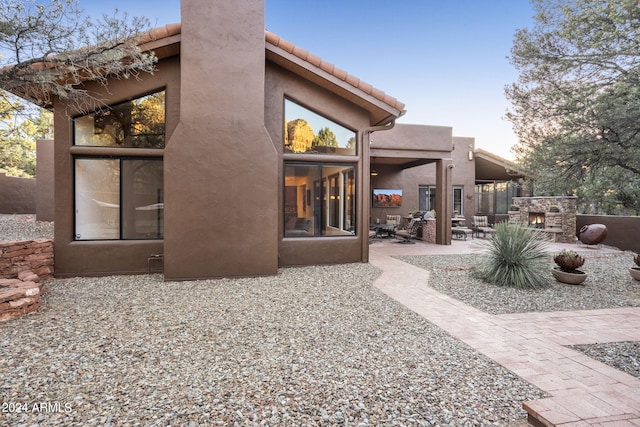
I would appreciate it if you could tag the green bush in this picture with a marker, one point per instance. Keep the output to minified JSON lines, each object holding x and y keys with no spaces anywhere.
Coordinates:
{"x":516,"y":256}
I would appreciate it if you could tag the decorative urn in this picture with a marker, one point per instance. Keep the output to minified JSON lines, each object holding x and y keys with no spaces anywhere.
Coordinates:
{"x":593,"y":234}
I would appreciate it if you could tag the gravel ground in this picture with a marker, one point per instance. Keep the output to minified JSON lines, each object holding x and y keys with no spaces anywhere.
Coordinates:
{"x":24,"y":227}
{"x":310,"y":346}
{"x":621,"y":355}
{"x":608,"y":285}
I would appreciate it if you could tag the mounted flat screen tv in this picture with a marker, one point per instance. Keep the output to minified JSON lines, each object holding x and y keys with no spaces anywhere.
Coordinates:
{"x":383,"y":198}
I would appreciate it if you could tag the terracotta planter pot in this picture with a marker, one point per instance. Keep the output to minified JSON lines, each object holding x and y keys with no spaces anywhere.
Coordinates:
{"x":593,"y":234}
{"x":569,"y":278}
{"x":635,"y":272}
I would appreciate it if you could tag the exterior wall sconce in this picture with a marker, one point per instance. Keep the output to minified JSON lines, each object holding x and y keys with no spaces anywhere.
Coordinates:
{"x":374,"y":172}
{"x":470,"y":155}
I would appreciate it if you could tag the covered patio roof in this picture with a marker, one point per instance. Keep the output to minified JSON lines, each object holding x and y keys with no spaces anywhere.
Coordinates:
{"x":491,"y":167}
{"x":408,"y":145}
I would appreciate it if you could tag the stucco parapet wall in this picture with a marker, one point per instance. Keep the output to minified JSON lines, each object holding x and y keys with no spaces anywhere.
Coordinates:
{"x":413,"y":137}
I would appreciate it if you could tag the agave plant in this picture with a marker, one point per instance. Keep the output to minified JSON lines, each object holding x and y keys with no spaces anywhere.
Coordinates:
{"x":568,"y":260}
{"x":516,"y":256}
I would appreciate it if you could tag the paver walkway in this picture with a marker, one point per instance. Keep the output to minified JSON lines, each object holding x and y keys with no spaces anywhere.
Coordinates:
{"x":584,"y":392}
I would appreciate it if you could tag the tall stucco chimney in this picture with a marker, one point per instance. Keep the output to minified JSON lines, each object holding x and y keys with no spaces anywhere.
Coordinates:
{"x":220,"y":163}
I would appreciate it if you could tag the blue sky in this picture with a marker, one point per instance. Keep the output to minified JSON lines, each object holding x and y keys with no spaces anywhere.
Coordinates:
{"x":446,"y":60}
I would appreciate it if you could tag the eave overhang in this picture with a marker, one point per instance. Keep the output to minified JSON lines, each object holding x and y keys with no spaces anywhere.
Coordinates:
{"x":382,"y":107}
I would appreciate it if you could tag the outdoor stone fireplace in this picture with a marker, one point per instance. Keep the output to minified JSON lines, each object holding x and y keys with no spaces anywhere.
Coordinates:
{"x":555,"y":216}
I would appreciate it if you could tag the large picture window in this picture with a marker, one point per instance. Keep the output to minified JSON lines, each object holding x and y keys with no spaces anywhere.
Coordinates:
{"x":310,"y":133}
{"x":319,"y":196}
{"x":134,"y":124}
{"x":319,"y":200}
{"x":120,"y":196}
{"x":118,"y":199}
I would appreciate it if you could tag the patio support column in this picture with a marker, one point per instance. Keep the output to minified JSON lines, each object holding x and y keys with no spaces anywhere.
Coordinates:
{"x":364,"y":188}
{"x":443,"y":201}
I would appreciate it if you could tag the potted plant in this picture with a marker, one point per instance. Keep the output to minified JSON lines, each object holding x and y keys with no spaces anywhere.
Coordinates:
{"x":568,"y":262}
{"x":635,"y":271}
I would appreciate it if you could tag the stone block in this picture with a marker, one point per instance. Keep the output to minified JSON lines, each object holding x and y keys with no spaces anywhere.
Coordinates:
{"x":11,"y":294}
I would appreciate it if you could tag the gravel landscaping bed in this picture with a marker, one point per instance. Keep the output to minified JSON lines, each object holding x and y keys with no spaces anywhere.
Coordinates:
{"x":608,"y":285}
{"x":621,"y":355}
{"x":15,"y":228}
{"x":310,"y":346}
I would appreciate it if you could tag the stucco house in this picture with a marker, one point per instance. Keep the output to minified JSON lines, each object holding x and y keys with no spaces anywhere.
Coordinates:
{"x":209,"y":165}
{"x":242,"y":153}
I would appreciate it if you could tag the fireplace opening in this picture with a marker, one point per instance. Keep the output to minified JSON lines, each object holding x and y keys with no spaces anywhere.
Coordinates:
{"x":536,"y":219}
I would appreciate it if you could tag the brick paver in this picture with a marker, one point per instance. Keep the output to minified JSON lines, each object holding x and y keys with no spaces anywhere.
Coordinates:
{"x":584,"y":392}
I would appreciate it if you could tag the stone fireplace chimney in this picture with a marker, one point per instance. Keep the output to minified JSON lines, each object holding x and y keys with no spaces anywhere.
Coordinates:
{"x":220,"y":165}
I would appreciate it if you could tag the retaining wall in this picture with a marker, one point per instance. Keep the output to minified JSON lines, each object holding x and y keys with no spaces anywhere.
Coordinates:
{"x":23,"y":266}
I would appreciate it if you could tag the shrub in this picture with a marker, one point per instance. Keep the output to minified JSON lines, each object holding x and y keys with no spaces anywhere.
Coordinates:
{"x":516,"y":257}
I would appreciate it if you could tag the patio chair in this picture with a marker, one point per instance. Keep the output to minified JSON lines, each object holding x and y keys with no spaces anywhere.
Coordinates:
{"x":480,"y":224}
{"x":410,"y":232}
{"x":394,"y":219}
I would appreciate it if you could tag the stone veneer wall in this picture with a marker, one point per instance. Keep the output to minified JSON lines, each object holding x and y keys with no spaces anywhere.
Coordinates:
{"x":29,"y":255}
{"x":429,"y":231}
{"x":561,"y":227}
{"x":23,"y":265}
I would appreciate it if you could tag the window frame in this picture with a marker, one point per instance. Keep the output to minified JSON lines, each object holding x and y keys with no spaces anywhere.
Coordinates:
{"x":324,"y":211}
{"x":122,"y":224}
{"x":75,"y":119}
{"x":121,"y":154}
{"x":346,"y":210}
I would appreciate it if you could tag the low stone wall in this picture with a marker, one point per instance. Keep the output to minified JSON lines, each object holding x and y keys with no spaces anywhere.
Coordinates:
{"x":19,"y":296}
{"x":29,"y":255}
{"x":429,"y":230}
{"x":23,"y":267}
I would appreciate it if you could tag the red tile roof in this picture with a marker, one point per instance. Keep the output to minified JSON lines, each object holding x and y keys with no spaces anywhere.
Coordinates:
{"x":170,"y":30}
{"x":159,"y":39}
{"x":333,"y":70}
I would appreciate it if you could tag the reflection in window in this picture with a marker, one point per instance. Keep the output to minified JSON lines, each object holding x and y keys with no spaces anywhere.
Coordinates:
{"x":97,"y":198}
{"x":308,"y":132}
{"x":139,"y":123}
{"x":458,"y":200}
{"x":319,"y":200}
{"x":426,"y":198}
{"x":495,"y":197}
{"x":118,"y":199}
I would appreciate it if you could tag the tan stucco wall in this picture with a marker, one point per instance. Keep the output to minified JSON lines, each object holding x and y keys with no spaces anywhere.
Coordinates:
{"x":105,"y":257}
{"x":220,"y":164}
{"x":433,"y":138}
{"x":622,"y":231}
{"x":223,"y":161}
{"x":17,"y":195}
{"x":281,"y":83}
{"x":45,"y":174}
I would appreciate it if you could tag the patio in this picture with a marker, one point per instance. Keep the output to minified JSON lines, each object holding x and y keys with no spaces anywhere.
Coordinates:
{"x":582,"y":391}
